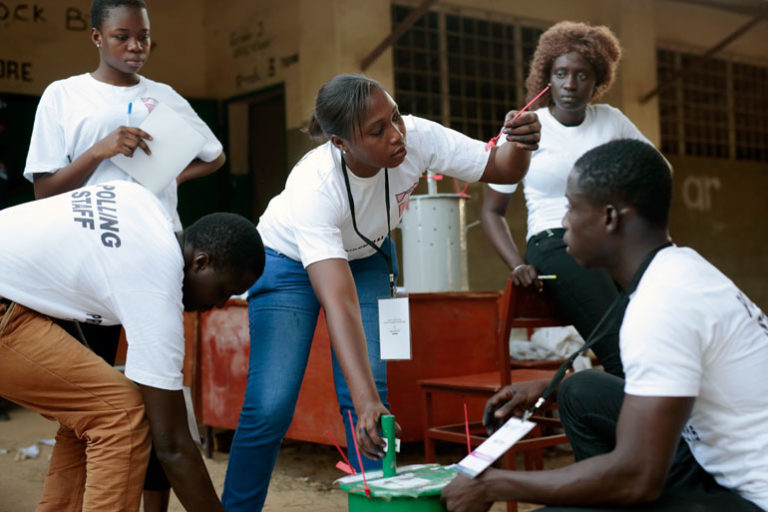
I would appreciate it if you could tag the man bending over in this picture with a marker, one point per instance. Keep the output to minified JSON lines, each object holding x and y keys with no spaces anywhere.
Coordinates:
{"x":108,"y":254}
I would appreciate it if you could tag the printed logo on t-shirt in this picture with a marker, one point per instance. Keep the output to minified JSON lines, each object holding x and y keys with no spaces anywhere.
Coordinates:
{"x":402,"y":203}
{"x":402,"y":198}
{"x":690,"y":434}
{"x":98,"y":210}
{"x":753,"y":311}
{"x":377,"y":241}
{"x":150,"y":103}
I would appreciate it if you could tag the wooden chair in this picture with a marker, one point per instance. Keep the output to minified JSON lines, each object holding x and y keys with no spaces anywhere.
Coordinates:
{"x":519,"y":307}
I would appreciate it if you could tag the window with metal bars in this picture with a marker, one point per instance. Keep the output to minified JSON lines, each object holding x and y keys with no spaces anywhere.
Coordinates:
{"x":718,"y":110}
{"x":461,"y":71}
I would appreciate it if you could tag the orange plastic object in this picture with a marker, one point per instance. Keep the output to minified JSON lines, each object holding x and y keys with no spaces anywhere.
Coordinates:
{"x":445,"y":328}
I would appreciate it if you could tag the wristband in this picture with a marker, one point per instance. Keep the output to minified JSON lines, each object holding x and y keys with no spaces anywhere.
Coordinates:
{"x":517,"y":267}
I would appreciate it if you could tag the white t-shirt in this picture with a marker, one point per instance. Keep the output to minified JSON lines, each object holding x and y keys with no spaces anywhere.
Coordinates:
{"x":103,"y":254}
{"x":559,"y":148}
{"x":310,"y":220}
{"x":690,"y":332}
{"x":77,"y":112}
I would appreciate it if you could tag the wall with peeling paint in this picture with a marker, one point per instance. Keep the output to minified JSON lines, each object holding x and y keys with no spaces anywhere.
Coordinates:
{"x":52,"y":37}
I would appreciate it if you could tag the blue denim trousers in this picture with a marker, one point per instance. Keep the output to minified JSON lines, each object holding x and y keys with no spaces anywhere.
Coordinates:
{"x":282,"y":312}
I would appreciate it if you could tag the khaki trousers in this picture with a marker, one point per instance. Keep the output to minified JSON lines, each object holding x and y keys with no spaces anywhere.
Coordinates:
{"x":102,"y":445}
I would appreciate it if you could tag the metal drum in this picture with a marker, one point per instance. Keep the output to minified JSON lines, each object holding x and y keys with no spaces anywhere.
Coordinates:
{"x":434,"y":240}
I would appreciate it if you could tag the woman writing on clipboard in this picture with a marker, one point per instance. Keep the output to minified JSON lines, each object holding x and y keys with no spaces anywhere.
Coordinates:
{"x":84,"y":120}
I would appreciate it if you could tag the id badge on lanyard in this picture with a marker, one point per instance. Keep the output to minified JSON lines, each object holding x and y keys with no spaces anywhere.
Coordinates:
{"x":394,"y":328}
{"x":394,"y":314}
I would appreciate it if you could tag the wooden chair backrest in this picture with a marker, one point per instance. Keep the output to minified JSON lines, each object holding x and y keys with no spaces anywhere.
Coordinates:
{"x":521,"y":306}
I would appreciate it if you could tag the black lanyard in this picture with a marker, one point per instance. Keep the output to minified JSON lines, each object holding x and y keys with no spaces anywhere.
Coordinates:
{"x":387,"y":257}
{"x":620,"y":302}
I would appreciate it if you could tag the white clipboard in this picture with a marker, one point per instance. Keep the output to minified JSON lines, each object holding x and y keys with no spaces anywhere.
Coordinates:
{"x":174,"y":145}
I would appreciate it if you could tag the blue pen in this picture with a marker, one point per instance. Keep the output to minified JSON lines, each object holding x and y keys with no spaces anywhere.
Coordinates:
{"x":130,"y":107}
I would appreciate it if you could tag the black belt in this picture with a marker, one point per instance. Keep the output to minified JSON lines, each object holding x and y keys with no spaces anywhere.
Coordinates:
{"x":547,"y":233}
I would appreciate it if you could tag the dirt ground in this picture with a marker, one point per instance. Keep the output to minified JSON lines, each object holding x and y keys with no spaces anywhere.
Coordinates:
{"x":303,"y":478}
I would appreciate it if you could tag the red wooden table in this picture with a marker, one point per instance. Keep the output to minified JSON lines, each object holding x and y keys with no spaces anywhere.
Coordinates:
{"x":450,"y":335}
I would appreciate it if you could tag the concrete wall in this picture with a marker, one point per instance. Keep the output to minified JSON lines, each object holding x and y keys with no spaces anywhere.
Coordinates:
{"x":719,"y":208}
{"x":304,"y":43}
{"x":50,"y":39}
{"x":685,"y":25}
{"x":47,"y":39}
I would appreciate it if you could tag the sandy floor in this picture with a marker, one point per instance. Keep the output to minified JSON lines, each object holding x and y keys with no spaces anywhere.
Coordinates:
{"x":303,"y":478}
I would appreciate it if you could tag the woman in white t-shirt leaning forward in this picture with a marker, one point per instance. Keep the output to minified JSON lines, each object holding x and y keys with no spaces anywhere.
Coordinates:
{"x":327,"y":243}
{"x":578,"y":62}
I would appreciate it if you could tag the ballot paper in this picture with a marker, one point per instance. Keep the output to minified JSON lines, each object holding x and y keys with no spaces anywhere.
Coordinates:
{"x":174,"y":145}
{"x":494,"y":447}
{"x":191,"y":419}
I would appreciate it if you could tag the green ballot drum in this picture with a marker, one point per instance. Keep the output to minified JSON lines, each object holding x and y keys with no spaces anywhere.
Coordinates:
{"x":414,"y":488}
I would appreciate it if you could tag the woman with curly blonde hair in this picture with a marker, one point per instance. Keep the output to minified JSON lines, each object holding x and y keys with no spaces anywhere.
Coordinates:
{"x":578,"y":62}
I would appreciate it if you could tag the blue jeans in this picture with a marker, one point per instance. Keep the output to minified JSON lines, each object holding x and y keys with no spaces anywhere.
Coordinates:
{"x":283,"y":311}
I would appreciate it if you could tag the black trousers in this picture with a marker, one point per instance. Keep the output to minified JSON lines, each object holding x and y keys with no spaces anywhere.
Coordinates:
{"x":589,"y":403}
{"x":581,"y":295}
{"x":103,"y":340}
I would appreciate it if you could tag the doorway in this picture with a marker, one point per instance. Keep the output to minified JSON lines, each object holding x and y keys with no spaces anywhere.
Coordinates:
{"x":257,"y":149}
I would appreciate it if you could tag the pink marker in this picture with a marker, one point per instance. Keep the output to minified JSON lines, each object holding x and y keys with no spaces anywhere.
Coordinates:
{"x":493,"y":141}
{"x":466,"y":429}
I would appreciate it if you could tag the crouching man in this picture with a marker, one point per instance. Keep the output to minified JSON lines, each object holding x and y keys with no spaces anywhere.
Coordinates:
{"x":108,"y":254}
{"x":695,"y":352}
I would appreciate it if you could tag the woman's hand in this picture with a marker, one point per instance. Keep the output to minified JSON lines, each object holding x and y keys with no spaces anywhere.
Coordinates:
{"x":334,"y":287}
{"x":512,"y":400}
{"x":123,"y":140}
{"x":367,"y":431}
{"x":524,"y":132}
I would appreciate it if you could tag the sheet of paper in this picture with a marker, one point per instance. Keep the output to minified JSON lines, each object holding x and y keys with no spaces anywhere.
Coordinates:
{"x":494,"y":447}
{"x":191,"y":419}
{"x":174,"y":144}
{"x":394,"y":328}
